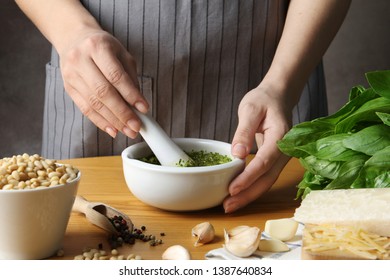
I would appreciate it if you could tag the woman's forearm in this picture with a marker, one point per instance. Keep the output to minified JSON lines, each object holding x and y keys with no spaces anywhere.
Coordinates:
{"x":309,"y":29}
{"x":59,"y":20}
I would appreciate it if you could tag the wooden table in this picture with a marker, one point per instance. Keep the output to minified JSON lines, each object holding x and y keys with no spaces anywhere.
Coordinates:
{"x":103,"y":181}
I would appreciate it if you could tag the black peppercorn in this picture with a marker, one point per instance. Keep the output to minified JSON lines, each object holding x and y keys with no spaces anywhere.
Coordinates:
{"x":125,"y":236}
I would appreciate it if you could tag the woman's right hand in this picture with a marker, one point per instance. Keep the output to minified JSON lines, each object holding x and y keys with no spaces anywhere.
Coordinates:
{"x":101,"y":78}
{"x":98,"y":72}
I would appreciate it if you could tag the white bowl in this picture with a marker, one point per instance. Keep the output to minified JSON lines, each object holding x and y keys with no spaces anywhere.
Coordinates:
{"x":180,"y":188}
{"x":33,"y":222}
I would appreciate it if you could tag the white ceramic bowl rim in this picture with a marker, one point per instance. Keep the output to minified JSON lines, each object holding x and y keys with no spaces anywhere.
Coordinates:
{"x":178,"y":169}
{"x":43,"y":189}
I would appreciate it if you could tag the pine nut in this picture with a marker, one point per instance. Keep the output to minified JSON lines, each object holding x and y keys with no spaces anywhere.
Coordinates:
{"x":32,"y":174}
{"x":45,"y":184}
{"x":52,"y":174}
{"x":23,"y":176}
{"x":54,"y":178}
{"x":15,"y":174}
{"x":21,"y":167}
{"x":25,"y":171}
{"x":13,"y":167}
{"x":8,"y":187}
{"x":38,"y":164}
{"x":54,"y":183}
{"x":61,"y":169}
{"x":45,"y":164}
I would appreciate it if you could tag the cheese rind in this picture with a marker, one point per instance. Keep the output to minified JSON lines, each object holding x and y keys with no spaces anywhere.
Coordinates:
{"x":367,"y":209}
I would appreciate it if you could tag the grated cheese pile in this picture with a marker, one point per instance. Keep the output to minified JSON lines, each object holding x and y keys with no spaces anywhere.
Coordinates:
{"x":326,"y":237}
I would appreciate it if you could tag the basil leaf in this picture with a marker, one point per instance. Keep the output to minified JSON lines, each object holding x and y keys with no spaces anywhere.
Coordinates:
{"x":330,"y":148}
{"x":302,"y":134}
{"x":349,"y":149}
{"x":380,"y":82}
{"x":366,"y":113}
{"x":382,"y":180}
{"x":356,"y":92}
{"x":358,"y":97}
{"x":369,"y":140}
{"x":311,"y":182}
{"x":384,"y":117}
{"x":375,"y":171}
{"x":349,"y":171}
{"x":325,"y":168}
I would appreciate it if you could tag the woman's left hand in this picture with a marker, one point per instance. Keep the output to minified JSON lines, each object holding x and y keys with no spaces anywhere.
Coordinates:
{"x":264,"y":117}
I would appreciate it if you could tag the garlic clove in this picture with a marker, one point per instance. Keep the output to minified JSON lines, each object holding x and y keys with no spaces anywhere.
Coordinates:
{"x":237,"y":230}
{"x":205,"y":233}
{"x":242,"y":241}
{"x":273,"y":245}
{"x":176,"y":252}
{"x":282,"y":229}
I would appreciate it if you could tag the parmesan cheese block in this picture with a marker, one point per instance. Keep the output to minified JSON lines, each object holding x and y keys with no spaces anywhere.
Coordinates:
{"x":366,"y":209}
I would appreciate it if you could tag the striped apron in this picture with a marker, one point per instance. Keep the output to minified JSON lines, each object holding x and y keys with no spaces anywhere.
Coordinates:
{"x":196,"y":60}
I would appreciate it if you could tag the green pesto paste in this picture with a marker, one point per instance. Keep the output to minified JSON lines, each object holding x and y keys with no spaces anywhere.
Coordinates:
{"x":199,"y":158}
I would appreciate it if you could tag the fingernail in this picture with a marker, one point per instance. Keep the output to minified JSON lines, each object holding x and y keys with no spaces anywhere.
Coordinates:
{"x":239,"y":150}
{"x":231,"y":207}
{"x":141,"y":107}
{"x":134,"y":125}
{"x":129,"y":133}
{"x":110,"y":131}
{"x":234,"y":191}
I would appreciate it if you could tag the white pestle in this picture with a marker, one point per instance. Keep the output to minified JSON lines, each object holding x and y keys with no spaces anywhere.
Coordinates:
{"x":167,"y":152}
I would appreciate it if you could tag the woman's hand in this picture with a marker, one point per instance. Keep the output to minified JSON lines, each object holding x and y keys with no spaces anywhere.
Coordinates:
{"x":101,"y":78}
{"x":264,"y":118}
{"x":265,"y":112}
{"x":98,"y":72}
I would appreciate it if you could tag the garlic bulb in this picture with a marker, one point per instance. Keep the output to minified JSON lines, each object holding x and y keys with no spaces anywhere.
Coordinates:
{"x":176,"y":252}
{"x":205,"y":233}
{"x":242,"y":241}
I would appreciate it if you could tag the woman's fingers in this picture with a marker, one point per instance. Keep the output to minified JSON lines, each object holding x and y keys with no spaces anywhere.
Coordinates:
{"x":257,"y":188}
{"x":92,"y":115}
{"x":122,"y":78}
{"x":100,"y":74}
{"x":90,"y":105}
{"x":250,"y":117}
{"x":104,"y":96}
{"x":263,"y":161}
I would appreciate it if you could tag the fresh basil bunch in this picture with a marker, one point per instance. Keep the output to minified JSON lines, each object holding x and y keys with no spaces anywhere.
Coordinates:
{"x":350,"y":148}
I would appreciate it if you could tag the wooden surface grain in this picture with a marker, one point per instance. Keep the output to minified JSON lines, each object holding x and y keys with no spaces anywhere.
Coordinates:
{"x":103,"y":181}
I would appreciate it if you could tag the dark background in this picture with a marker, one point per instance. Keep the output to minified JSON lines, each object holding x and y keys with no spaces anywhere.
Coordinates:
{"x":362,"y":45}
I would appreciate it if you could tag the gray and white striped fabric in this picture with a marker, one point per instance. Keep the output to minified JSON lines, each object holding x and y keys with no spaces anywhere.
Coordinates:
{"x":196,"y":59}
